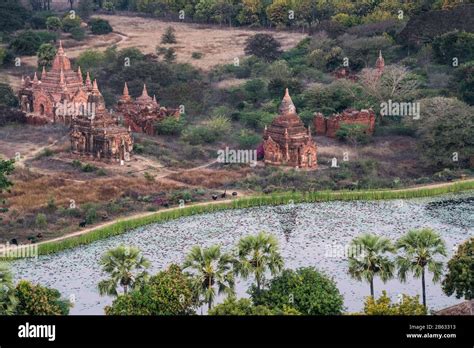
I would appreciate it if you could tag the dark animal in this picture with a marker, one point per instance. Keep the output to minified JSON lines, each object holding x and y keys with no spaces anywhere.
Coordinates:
{"x":166,"y":205}
{"x":82,"y":224}
{"x":224,"y":194}
{"x":14,"y":241}
{"x":214,"y":197}
{"x":39,"y":235}
{"x":234,"y":193}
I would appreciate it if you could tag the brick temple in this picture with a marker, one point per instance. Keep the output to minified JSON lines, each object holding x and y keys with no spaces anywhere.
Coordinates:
{"x":329,"y":126}
{"x":287,"y":142}
{"x":98,"y":135}
{"x":143,"y":113}
{"x":62,"y":96}
{"x":61,"y":86}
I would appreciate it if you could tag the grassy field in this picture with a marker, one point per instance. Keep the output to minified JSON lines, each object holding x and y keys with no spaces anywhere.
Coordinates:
{"x":124,"y":225}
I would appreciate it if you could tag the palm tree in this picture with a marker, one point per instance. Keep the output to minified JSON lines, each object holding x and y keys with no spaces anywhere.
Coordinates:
{"x":420,"y":248}
{"x":256,"y":255}
{"x":210,"y":268}
{"x":371,"y":260}
{"x":8,"y":300}
{"x":120,"y":263}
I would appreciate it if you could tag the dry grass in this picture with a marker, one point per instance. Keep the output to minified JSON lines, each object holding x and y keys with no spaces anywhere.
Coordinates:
{"x":36,"y":192}
{"x":209,"y":178}
{"x":218,"y":45}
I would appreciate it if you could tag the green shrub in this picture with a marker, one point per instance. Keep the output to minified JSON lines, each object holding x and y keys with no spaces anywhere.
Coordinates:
{"x":169,"y":36}
{"x":91,"y":214}
{"x":100,"y":26}
{"x":7,"y":96}
{"x":196,"y":55}
{"x":70,"y":21}
{"x":46,"y":54}
{"x":305,"y":289}
{"x":455,"y":44}
{"x":28,"y":42}
{"x":40,"y":221}
{"x":54,"y":23}
{"x":39,"y":300}
{"x":170,"y":126}
{"x":353,"y":133}
{"x":248,"y":139}
{"x":78,"y":33}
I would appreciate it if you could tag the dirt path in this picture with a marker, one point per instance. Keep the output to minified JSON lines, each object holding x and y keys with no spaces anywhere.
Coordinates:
{"x":139,"y":215}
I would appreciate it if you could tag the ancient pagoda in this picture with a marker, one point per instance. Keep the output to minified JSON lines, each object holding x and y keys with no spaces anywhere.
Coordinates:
{"x":286,"y":141}
{"x":143,"y":113}
{"x":59,"y":88}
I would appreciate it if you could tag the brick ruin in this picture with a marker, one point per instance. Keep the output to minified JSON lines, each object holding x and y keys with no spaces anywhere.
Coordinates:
{"x":62,"y":96}
{"x":344,"y":73}
{"x":286,"y":141}
{"x":42,"y":98}
{"x":98,"y":135}
{"x":143,"y":113}
{"x":328,"y":126}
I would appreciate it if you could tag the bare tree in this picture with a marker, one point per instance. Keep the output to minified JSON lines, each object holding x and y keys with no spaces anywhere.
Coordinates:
{"x":395,"y":83}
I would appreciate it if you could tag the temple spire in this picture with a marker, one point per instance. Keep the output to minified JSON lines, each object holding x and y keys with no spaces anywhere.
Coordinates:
{"x":35,"y":78}
{"x":79,"y":73}
{"x":287,"y":106}
{"x":60,"y":49}
{"x":88,"y":80}
{"x":125,"y":90}
{"x":145,"y":92}
{"x":43,"y":73}
{"x":95,"y":88}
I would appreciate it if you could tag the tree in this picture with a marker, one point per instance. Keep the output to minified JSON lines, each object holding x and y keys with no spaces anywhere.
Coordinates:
{"x":396,"y":84}
{"x":120,"y":263}
{"x":205,"y":10}
{"x":353,"y":133}
{"x":210,"y":268}
{"x":54,"y":23}
{"x":363,"y":48}
{"x":369,"y":259}
{"x":6,"y":168}
{"x":46,"y":54}
{"x":464,"y":82}
{"x":7,"y":96}
{"x":257,"y":255}
{"x":34,"y":299}
{"x":14,"y":16}
{"x":243,"y":306}
{"x":250,"y":12}
{"x":420,"y":248}
{"x":460,"y":277}
{"x":305,"y":290}
{"x":168,"y":36}
{"x":454,"y":45}
{"x":446,"y":132}
{"x":167,"y":293}
{"x":8,"y":300}
{"x":278,"y":12}
{"x":28,"y":42}
{"x":263,"y":46}
{"x":100,"y":26}
{"x":383,"y":306}
{"x":84,"y":8}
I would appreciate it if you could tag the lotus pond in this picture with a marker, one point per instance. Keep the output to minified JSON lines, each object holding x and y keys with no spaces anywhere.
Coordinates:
{"x":310,"y":234}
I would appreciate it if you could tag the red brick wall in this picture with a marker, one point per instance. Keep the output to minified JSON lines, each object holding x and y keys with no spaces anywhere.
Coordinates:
{"x":330,"y":126}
